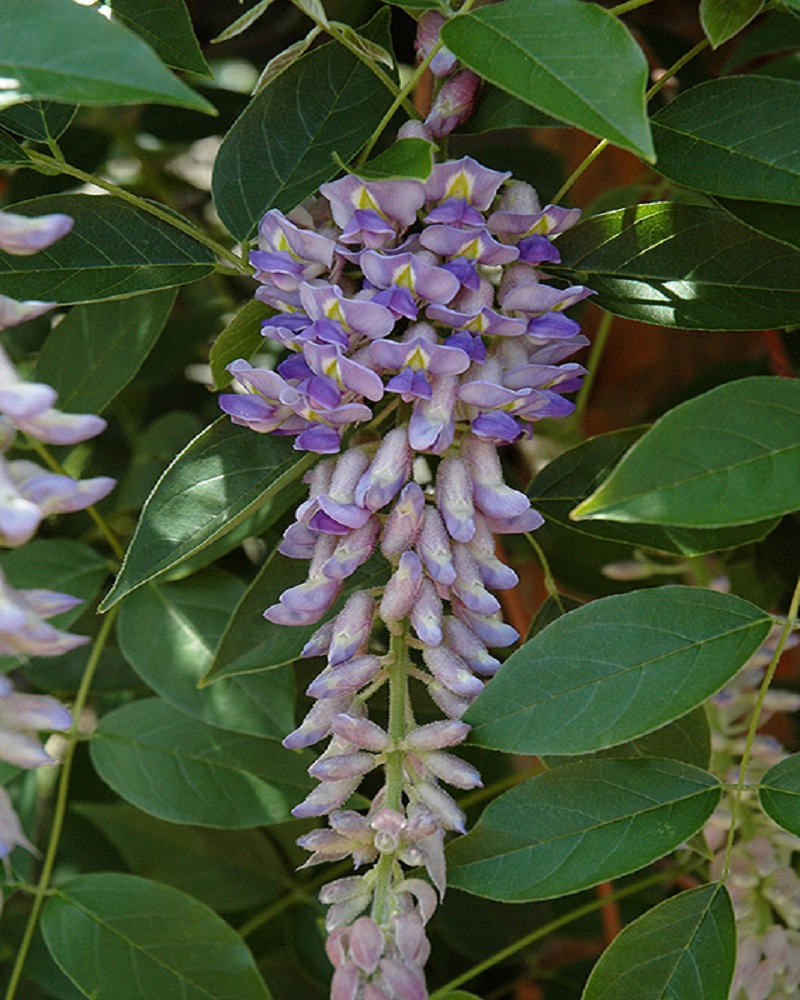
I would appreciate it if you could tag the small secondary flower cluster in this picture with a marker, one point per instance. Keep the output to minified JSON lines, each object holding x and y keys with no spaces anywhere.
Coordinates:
{"x":763,"y":882}
{"x":453,"y":319}
{"x":28,"y":494}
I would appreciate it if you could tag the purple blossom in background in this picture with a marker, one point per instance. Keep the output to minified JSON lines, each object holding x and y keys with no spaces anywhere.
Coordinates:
{"x":426,"y":304}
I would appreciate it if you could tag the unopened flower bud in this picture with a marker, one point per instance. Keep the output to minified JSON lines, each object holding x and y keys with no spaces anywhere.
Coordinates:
{"x":454,"y":103}
{"x":367,"y":944}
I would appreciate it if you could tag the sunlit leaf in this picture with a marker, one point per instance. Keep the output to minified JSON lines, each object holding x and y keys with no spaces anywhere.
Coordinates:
{"x":615,"y":669}
{"x":573,"y":827}
{"x":742,"y":468}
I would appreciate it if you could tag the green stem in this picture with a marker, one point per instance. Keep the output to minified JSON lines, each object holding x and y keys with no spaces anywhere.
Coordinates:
{"x":177,"y":222}
{"x":73,"y":738}
{"x":398,"y":716}
{"x":789,"y":625}
{"x":623,"y":8}
{"x":554,"y":925}
{"x":651,"y":93}
{"x":549,"y":581}
{"x":102,"y":525}
{"x":598,"y":346}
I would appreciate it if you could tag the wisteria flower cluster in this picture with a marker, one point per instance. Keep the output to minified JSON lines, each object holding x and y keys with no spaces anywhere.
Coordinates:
{"x":449,"y":326}
{"x":28,"y":494}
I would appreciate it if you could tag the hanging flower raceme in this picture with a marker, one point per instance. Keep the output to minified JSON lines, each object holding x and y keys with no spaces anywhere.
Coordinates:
{"x":426,"y":302}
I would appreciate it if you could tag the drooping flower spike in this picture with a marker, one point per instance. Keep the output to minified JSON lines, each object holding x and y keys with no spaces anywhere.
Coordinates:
{"x":424,"y":298}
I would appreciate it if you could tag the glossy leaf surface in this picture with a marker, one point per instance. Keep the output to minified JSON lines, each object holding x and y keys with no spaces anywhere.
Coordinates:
{"x":166,"y":26}
{"x":122,"y":936}
{"x":722,"y":19}
{"x":183,"y":771}
{"x":281,"y":148}
{"x":168,"y":633}
{"x":743,"y":467}
{"x":779,"y":222}
{"x":497,"y":110}
{"x":685,"y":266}
{"x":113,"y":251}
{"x":572,"y":60}
{"x":615,"y":669}
{"x":684,"y":947}
{"x":218,"y":480}
{"x":44,"y":44}
{"x":569,"y":479}
{"x":404,"y":158}
{"x":734,"y":137}
{"x":97,"y":349}
{"x":568,"y":829}
{"x":779,"y":792}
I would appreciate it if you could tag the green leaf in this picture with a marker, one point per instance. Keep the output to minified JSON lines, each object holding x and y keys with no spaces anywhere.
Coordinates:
{"x":496,"y":109}
{"x":779,"y":793}
{"x":243,"y":22}
{"x":166,"y":26}
{"x":779,"y":222}
{"x":686,"y":266}
{"x":96,"y":350}
{"x":60,"y":564}
{"x":250,"y":643}
{"x":283,"y":60}
{"x":11,"y":153}
{"x":281,"y":148}
{"x":615,"y":669}
{"x":181,"y":770}
{"x":241,"y":338}
{"x":169,"y":632}
{"x":776,"y":32}
{"x":684,"y":947}
{"x":370,"y":50}
{"x":571,"y":828}
{"x":572,"y":60}
{"x":416,"y":4}
{"x":221,"y":477}
{"x":405,"y":158}
{"x":38,"y":120}
{"x":743,"y":467}
{"x":225,"y":869}
{"x":722,"y":19}
{"x":43,"y":47}
{"x":125,"y":937}
{"x":114,"y":250}
{"x":154,"y":449}
{"x":569,"y":479}
{"x":734,"y":137}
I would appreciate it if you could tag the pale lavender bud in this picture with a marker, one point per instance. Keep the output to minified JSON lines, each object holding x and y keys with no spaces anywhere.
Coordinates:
{"x":344,"y":913}
{"x":454,"y":498}
{"x":451,"y":704}
{"x":367,"y":944}
{"x":493,"y":572}
{"x":388,"y":825}
{"x":437,"y":735}
{"x":351,"y":628}
{"x":336,"y":944}
{"x":442,"y":805}
{"x":344,"y":678}
{"x":320,"y":641}
{"x":348,"y":471}
{"x":345,"y":888}
{"x":410,"y":939}
{"x":488,"y":628}
{"x":454,"y":103}
{"x":492,"y":495}
{"x":432,"y":423}
{"x":403,"y":523}
{"x":346,"y":981}
{"x":326,"y":797}
{"x":12,"y":312}
{"x":426,"y":614}
{"x":326,"y":846}
{"x":361,"y":733}
{"x":402,"y":589}
{"x":433,"y":547}
{"x":55,"y":427}
{"x":298,"y":542}
{"x":11,"y":834}
{"x":352,"y":551}
{"x":388,"y":473}
{"x":23,"y":235}
{"x":468,"y":586}
{"x":462,"y":640}
{"x":317,"y":723}
{"x":428,"y":28}
{"x":453,"y":770}
{"x":319,"y":481}
{"x":342,"y":766}
{"x":452,"y":671}
{"x":426,"y":898}
{"x":404,"y":983}
{"x":373,"y":992}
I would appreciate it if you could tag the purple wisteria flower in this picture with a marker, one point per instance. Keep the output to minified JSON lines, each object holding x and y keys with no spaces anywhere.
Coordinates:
{"x":422,"y":302}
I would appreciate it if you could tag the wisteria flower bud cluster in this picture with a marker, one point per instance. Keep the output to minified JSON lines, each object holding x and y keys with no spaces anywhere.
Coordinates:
{"x":28,"y":494}
{"x":421,"y":310}
{"x":763,"y":882}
